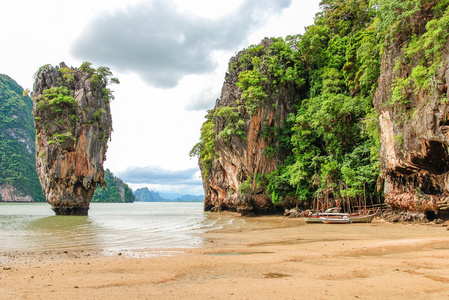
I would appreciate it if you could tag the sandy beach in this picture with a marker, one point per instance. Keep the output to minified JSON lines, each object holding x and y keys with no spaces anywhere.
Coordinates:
{"x":271,"y":258}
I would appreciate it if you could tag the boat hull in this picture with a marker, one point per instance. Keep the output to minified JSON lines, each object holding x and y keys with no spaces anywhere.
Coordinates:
{"x":362,"y":219}
{"x":340,"y":218}
{"x":335,"y":220}
{"x":313,"y":219}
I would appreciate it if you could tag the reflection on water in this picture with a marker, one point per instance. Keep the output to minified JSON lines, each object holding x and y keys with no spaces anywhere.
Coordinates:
{"x":62,"y":232}
{"x":109,"y":227}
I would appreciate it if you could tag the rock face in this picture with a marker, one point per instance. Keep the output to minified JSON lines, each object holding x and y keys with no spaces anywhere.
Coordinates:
{"x":126,"y":194}
{"x":240,"y":158}
{"x":8,"y":193}
{"x":73,"y":124}
{"x":414,"y":133}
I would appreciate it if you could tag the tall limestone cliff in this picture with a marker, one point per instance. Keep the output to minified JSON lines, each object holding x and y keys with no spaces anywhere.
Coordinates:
{"x":240,"y":131}
{"x":413,"y":107}
{"x":73,"y":124}
{"x":18,"y":178}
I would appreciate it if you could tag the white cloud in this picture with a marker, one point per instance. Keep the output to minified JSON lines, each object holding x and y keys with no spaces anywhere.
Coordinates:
{"x":162,"y":44}
{"x":156,"y":175}
{"x":203,"y":100}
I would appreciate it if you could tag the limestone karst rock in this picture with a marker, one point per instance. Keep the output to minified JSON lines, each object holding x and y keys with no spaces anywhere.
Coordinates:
{"x":230,"y":182}
{"x":73,"y":124}
{"x":334,"y":140}
{"x":414,"y":123}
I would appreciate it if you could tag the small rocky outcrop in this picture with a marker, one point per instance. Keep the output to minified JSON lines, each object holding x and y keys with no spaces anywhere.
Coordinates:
{"x":414,"y":123}
{"x":116,"y":190}
{"x":243,"y":136}
{"x":8,"y":193}
{"x":73,"y":124}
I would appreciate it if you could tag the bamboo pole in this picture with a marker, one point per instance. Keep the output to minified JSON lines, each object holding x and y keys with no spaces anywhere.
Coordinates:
{"x":364,"y":194}
{"x":313,"y":204}
{"x":347,"y":196}
{"x":357,"y":200}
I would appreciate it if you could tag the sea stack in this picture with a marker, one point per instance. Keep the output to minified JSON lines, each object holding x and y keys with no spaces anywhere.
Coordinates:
{"x":73,"y":124}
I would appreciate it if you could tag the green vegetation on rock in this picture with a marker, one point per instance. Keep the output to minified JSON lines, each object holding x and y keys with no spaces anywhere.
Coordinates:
{"x":333,"y":137}
{"x":58,"y":107}
{"x":115,"y":191}
{"x":205,"y":148}
{"x":17,"y":135}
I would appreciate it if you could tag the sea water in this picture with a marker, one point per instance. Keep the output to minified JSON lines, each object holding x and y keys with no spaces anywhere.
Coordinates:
{"x":109,"y":227}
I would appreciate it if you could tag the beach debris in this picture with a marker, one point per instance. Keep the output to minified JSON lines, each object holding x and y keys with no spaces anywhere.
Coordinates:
{"x":275,"y":275}
{"x":293,"y":213}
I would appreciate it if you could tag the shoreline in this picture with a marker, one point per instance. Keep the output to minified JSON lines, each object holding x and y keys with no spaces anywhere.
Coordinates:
{"x":272,"y":257}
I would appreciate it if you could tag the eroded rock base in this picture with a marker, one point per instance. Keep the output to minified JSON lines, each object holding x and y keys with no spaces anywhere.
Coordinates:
{"x":71,"y":211}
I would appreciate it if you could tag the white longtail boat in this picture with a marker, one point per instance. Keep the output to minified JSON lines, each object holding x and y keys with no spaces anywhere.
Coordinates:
{"x":330,"y":217}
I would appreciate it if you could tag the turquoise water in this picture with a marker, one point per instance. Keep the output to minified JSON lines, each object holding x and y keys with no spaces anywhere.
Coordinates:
{"x":109,"y":227}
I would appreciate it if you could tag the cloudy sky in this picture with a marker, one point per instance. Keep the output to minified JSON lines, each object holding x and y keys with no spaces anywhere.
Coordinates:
{"x":170,"y":56}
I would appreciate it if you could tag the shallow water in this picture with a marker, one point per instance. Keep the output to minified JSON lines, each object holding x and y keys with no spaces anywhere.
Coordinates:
{"x":109,"y":227}
{"x":130,"y":227}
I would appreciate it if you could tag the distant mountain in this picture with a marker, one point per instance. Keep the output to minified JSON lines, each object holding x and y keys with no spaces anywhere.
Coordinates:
{"x":116,"y":190}
{"x":18,"y":177}
{"x":191,"y":198}
{"x":145,"y":195}
{"x":170,"y":196}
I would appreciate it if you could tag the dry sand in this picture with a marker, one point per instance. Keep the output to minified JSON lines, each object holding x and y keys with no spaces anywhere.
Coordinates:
{"x":271,"y":258}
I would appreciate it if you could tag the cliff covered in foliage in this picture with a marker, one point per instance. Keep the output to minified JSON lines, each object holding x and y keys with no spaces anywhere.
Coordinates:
{"x":240,"y":138}
{"x":413,"y":105}
{"x":114,"y":191}
{"x":73,"y":124}
{"x":18,"y":178}
{"x":334,"y":115}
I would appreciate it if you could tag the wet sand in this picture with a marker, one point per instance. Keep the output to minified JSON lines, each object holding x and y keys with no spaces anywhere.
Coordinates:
{"x":268,"y":258}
